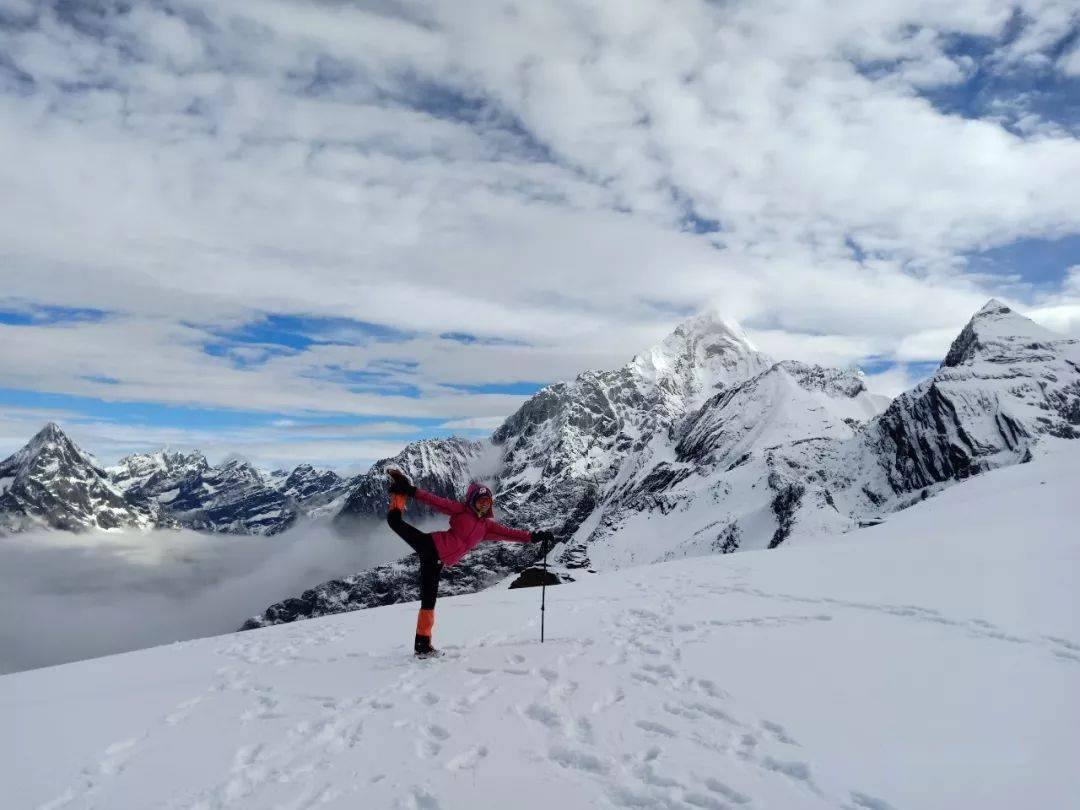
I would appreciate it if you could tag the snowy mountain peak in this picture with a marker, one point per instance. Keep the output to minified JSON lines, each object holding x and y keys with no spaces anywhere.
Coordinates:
{"x":51,"y":482}
{"x":162,"y":459}
{"x":239,"y":468}
{"x":992,"y":307}
{"x":51,"y":432}
{"x":998,"y":334}
{"x":703,"y":354}
{"x":310,"y":485}
{"x":50,"y":444}
{"x":711,"y":324}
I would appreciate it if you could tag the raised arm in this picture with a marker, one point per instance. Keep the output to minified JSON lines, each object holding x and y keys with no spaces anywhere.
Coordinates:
{"x":497,"y":531}
{"x":444,"y":505}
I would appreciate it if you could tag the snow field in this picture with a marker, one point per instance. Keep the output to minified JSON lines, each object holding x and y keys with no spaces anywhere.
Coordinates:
{"x":930,"y":662}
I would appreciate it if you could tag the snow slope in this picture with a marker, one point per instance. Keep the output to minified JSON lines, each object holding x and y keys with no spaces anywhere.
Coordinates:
{"x":928,"y":662}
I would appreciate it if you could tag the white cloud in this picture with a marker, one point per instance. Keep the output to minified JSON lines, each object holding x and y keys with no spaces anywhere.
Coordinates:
{"x":517,"y":171}
{"x":895,"y":380}
{"x":64,"y":596}
{"x":1070,"y":61}
{"x":926,"y":345}
{"x":487,"y":423}
{"x":1072,"y":280}
{"x":1063,"y":318}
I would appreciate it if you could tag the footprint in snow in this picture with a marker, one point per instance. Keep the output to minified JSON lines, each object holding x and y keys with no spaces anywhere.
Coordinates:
{"x":655,"y":728}
{"x":648,"y":774}
{"x":709,"y":688}
{"x":544,"y":715}
{"x":182,"y":710}
{"x":427,"y":749}
{"x":467,"y":759}
{"x":246,"y":756}
{"x":578,"y":760}
{"x":613,"y":697}
{"x":437,"y":733}
{"x":704,"y":801}
{"x":778,"y":732}
{"x":1063,"y":642}
{"x":422,"y":800}
{"x":1064,"y":649}
{"x":117,"y":756}
{"x":747,"y":746}
{"x":798,"y":771}
{"x":729,"y":793}
{"x":664,"y":670}
{"x":864,"y":802}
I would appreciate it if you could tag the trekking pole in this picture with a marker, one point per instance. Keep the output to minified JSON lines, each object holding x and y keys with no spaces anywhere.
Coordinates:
{"x":543,"y":593}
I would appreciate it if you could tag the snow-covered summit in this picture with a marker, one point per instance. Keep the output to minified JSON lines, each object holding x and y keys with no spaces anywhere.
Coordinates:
{"x":153,"y":474}
{"x":1005,"y":383}
{"x":702,"y":355}
{"x":49,"y":443}
{"x":310,"y":486}
{"x":997,"y":333}
{"x":50,"y":482}
{"x":788,"y":401}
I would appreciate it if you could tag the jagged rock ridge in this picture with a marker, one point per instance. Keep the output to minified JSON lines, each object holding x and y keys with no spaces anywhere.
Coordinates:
{"x":233,"y":497}
{"x":51,"y":483}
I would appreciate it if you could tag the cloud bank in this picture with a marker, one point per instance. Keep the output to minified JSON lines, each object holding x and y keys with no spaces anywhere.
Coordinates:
{"x":66,"y":597}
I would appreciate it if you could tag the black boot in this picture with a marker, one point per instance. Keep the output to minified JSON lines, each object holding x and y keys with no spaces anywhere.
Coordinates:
{"x":422,"y":647}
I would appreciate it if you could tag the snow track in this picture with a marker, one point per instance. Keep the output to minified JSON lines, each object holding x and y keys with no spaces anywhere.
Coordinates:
{"x":930,"y":662}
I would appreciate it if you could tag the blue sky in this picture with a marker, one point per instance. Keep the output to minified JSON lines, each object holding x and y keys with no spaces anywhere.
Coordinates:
{"x":315,"y":231}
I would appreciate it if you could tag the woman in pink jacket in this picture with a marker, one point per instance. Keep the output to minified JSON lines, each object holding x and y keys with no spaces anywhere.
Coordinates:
{"x":470,"y":523}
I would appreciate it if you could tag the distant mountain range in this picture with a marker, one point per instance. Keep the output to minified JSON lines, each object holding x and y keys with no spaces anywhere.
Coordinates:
{"x":52,"y":483}
{"x":700,"y":445}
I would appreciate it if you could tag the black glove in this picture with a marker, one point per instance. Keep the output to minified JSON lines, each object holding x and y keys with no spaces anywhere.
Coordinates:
{"x":399,"y":484}
{"x":545,"y":538}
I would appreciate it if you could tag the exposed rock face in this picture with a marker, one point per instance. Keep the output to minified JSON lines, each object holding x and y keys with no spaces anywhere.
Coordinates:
{"x":234,"y":497}
{"x":1005,"y":383}
{"x":52,"y":483}
{"x":442,"y":466}
{"x":574,"y":445}
{"x":159,"y":476}
{"x":742,"y":472}
{"x":309,"y":487}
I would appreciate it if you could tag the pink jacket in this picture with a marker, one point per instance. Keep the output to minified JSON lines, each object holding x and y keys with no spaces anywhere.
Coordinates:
{"x":467,"y":529}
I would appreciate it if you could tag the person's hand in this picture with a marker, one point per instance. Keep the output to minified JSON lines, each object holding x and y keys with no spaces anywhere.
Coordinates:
{"x":399,"y":484}
{"x":545,"y":538}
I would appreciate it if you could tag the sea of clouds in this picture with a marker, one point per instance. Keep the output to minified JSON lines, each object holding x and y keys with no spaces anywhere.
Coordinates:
{"x":65,"y":597}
